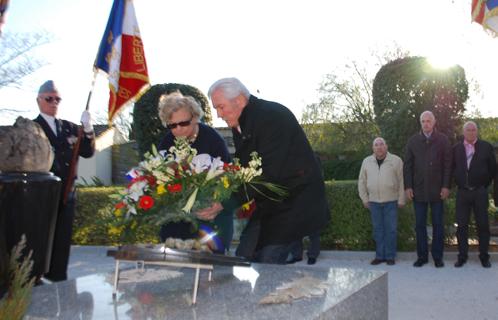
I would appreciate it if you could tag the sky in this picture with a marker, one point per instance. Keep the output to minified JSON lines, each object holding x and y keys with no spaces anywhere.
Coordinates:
{"x":281,"y":50}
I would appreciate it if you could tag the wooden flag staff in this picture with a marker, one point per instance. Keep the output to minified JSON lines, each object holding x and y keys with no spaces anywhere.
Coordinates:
{"x":76,"y":150}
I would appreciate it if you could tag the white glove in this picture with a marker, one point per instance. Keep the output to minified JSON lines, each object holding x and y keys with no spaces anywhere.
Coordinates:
{"x":86,"y":121}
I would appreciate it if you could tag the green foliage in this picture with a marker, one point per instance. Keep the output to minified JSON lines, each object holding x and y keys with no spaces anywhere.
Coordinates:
{"x":405,"y":87}
{"x":147,"y":126}
{"x":350,"y":227}
{"x":18,"y":297}
{"x":487,"y":129}
{"x":94,"y":181}
{"x":94,"y":219}
{"x":336,"y":169}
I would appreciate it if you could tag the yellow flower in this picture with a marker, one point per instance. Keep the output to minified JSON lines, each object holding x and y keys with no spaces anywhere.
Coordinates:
{"x":161,"y":189}
{"x":226,"y":182}
{"x":246,"y":206}
{"x":115,"y":231}
{"x":118,"y":213}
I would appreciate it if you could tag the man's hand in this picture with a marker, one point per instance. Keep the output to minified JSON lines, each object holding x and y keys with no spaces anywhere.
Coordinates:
{"x":409,"y":193}
{"x":445,"y":193}
{"x":209,"y":213}
{"x":365,"y":204}
{"x":86,"y":121}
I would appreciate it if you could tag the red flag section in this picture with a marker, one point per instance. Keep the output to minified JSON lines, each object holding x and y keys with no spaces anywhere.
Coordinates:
{"x":121,"y":55}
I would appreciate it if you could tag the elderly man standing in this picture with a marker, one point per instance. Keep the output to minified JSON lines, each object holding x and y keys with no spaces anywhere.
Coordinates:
{"x":62,"y":135}
{"x":427,"y":174}
{"x":474,"y":168}
{"x":381,"y":189}
{"x":273,"y":132}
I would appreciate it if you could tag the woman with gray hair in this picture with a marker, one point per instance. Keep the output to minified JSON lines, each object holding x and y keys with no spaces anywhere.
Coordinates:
{"x":181,"y":115}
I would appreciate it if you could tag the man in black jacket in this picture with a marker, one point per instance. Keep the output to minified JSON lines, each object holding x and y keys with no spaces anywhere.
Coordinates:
{"x":273,"y":132}
{"x":474,"y":168}
{"x":62,"y":135}
{"x":427,"y":173}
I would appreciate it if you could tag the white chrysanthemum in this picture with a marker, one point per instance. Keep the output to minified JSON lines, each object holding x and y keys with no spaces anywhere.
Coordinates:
{"x":161,"y":177}
{"x":152,"y":163}
{"x":247,"y":174}
{"x":136,"y":190}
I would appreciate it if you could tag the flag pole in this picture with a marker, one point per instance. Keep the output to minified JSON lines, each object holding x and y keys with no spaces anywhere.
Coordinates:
{"x":76,"y":149}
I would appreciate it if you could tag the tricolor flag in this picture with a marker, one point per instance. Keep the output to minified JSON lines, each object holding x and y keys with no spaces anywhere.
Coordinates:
{"x":485,"y":12}
{"x":121,"y":55}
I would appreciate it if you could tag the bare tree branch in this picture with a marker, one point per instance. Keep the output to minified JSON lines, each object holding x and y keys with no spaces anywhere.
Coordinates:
{"x":17,"y":60}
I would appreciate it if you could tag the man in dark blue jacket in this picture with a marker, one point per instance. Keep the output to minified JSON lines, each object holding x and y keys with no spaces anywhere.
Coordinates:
{"x":474,"y":168}
{"x":273,"y":132}
{"x":62,"y":135}
{"x":427,"y":175}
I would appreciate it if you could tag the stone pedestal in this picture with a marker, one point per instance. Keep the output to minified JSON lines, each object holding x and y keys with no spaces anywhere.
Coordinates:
{"x":28,"y":205}
{"x":233,"y":293}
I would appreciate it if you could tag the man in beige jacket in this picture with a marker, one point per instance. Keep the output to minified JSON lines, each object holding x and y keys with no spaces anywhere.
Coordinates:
{"x":381,"y":189}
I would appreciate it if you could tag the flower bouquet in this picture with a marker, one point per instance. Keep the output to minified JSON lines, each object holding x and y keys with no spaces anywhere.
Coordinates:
{"x":171,"y":187}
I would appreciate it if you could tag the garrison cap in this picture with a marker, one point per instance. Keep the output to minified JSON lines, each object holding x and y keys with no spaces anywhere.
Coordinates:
{"x":48,"y":86}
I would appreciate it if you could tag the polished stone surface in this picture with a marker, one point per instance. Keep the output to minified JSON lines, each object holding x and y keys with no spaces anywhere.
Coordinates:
{"x":234,"y":293}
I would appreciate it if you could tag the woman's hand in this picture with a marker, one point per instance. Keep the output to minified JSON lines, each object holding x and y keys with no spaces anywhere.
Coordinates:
{"x":209,"y":213}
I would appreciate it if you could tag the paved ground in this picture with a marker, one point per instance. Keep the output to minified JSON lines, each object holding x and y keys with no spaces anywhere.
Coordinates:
{"x":470,"y":292}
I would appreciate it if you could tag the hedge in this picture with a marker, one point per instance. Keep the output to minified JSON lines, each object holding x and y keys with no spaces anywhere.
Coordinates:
{"x":350,"y":227}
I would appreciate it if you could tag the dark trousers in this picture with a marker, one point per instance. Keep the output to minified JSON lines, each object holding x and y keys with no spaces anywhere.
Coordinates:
{"x":477,"y":201}
{"x":249,"y":249}
{"x":437,"y":246}
{"x":313,"y":247}
{"x":62,"y":240}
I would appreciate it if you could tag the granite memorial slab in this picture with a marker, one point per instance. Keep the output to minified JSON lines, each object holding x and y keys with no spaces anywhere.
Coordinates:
{"x":150,"y":254}
{"x":260,"y":291}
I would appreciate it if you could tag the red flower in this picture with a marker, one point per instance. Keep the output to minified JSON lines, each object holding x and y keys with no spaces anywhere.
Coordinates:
{"x":246,"y":213}
{"x":119,"y":205}
{"x":230,"y":167}
{"x":173,"y":188}
{"x":151,"y":180}
{"x":145,"y":202}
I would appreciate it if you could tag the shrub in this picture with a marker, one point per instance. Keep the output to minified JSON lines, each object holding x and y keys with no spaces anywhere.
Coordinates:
{"x":350,"y":227}
{"x":336,"y":169}
{"x":146,"y":123}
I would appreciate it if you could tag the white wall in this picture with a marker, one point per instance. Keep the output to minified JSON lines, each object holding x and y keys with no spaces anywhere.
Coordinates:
{"x":100,"y":165}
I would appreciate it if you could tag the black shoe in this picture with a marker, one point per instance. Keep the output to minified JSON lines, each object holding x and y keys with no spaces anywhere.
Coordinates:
{"x":311,"y":260}
{"x":485,"y":263}
{"x":376,"y":261}
{"x":420,"y":262}
{"x":438,"y":263}
{"x":460,"y":262}
{"x":390,"y":262}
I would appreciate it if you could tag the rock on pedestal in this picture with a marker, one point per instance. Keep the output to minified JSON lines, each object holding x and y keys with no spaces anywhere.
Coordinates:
{"x":29,"y":194}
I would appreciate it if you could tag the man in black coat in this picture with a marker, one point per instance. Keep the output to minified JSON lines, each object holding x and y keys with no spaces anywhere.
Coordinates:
{"x":474,"y":168}
{"x":427,"y":173}
{"x":273,"y":132}
{"x":62,"y":135}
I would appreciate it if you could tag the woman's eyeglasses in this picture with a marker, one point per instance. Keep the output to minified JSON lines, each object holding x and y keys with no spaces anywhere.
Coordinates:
{"x":172,"y":126}
{"x":52,"y":99}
